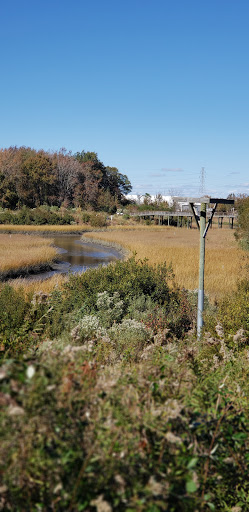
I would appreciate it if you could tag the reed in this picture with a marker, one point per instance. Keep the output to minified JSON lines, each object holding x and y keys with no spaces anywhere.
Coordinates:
{"x":39,"y":286}
{"x":22,"y":252}
{"x":225,"y":262}
{"x":47,"y":228}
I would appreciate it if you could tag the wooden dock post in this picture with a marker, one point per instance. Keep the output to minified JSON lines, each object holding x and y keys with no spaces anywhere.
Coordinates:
{"x":220,"y":222}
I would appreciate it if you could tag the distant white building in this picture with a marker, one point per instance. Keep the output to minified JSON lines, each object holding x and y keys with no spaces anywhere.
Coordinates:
{"x":139,"y":198}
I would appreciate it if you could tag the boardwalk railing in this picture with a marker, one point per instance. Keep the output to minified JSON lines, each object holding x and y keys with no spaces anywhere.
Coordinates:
{"x":165,"y":215}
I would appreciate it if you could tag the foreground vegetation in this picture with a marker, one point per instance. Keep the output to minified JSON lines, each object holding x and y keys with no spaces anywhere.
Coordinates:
{"x":110,"y":403}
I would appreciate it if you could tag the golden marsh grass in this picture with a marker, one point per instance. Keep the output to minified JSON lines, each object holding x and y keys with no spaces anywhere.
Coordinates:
{"x":12,"y":228}
{"x":39,"y":286}
{"x":23,"y":251}
{"x":225,"y":262}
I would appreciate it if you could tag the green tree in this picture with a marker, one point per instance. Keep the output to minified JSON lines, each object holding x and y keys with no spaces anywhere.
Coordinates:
{"x":118,"y":183}
{"x":36,"y":179}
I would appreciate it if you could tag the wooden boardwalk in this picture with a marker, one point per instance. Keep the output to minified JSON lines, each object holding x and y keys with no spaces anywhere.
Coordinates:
{"x":184,"y":218}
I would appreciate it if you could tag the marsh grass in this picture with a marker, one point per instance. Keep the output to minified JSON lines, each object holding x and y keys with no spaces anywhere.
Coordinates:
{"x":225,"y":262}
{"x":44,"y":286}
{"x":12,"y":228}
{"x":22,"y":252}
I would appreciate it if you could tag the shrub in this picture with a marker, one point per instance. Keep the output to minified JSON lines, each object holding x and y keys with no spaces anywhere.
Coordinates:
{"x":139,"y":307}
{"x":129,"y":337}
{"x":149,"y":437}
{"x":13,"y":310}
{"x":128,"y":278}
{"x":234,"y":311}
{"x":98,"y":220}
{"x":164,"y":432}
{"x":87,"y":328}
{"x":86,"y":217}
{"x":243,"y":225}
{"x":6,"y":218}
{"x":37,"y":216}
{"x":13,"y":307}
{"x":110,"y":308}
{"x":123,"y":285}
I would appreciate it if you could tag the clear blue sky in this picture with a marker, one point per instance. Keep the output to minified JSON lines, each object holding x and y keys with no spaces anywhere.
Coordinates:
{"x":158,"y":88}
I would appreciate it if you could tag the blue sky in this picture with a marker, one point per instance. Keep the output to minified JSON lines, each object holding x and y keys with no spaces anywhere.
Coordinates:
{"x":157,"y":88}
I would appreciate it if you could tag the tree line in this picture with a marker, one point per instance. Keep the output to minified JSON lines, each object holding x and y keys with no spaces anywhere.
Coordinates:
{"x":31,"y":178}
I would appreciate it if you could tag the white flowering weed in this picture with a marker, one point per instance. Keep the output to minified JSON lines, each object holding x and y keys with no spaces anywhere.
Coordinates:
{"x":87,"y":328}
{"x":129,"y":329}
{"x":110,"y":308}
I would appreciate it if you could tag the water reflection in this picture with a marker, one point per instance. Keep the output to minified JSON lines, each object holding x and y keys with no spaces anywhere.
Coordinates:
{"x":76,"y":256}
{"x":81,"y":255}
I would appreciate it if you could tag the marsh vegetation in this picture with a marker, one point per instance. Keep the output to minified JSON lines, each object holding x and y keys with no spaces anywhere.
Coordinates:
{"x":23,"y":253}
{"x":226,"y":262}
{"x":109,"y":402}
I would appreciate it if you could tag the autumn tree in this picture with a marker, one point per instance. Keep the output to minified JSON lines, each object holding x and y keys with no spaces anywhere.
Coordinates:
{"x":36,"y":179}
{"x":118,"y":183}
{"x":67,"y":170}
{"x":29,"y":177}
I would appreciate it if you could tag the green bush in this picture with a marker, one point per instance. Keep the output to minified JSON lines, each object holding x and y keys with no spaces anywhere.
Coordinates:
{"x":127,"y":278}
{"x":7,"y":218}
{"x":129,"y":338}
{"x":103,"y":412}
{"x":13,"y":307}
{"x":234,"y":311}
{"x":77,"y":436}
{"x":13,"y":310}
{"x":243,"y":224}
{"x":86,"y":217}
{"x":128,"y":288}
{"x":98,"y":220}
{"x":88,"y":327}
{"x":110,"y":308}
{"x":37,"y":216}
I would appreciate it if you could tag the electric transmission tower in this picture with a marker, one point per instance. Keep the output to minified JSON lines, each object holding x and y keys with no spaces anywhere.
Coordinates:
{"x":202,"y":181}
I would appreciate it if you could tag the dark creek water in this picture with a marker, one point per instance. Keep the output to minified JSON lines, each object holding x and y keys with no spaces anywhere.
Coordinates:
{"x":77,"y":256}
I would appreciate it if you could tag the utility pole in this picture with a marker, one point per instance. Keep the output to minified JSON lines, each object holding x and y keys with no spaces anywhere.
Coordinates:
{"x":203,"y":228}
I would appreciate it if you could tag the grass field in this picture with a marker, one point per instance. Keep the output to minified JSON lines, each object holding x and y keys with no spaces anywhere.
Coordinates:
{"x":24,"y":252}
{"x":44,"y":228}
{"x":225,"y":262}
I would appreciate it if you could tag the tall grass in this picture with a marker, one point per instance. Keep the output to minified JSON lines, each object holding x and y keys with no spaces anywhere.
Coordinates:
{"x":225,"y":262}
{"x":22,"y":252}
{"x":33,"y":286}
{"x":45,"y":228}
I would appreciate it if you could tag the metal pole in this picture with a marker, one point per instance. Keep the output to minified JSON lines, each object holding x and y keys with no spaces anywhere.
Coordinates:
{"x":201,"y":270}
